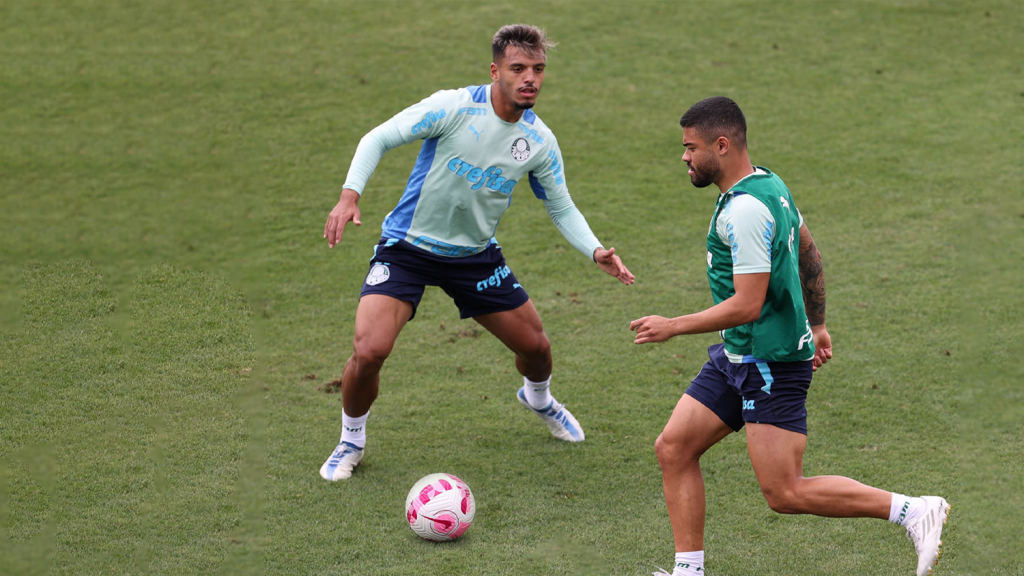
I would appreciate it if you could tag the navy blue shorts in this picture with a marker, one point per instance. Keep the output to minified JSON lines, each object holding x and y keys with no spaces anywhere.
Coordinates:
{"x":479,"y":284}
{"x":761,"y":393}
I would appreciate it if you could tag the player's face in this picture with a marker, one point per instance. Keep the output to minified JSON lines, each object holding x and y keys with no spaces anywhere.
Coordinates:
{"x":519,"y":77}
{"x":701,"y":159}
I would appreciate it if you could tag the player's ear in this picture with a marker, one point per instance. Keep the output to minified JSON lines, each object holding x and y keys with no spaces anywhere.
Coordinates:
{"x":494,"y":71}
{"x":723,"y":145}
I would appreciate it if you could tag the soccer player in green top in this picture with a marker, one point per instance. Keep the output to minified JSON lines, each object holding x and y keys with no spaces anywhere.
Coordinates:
{"x":769,"y":292}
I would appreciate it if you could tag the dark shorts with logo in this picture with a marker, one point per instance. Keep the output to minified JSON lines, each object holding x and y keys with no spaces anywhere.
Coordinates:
{"x":761,"y":393}
{"x":479,"y":284}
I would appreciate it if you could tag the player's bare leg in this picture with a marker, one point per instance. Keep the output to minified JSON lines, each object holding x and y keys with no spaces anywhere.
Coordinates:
{"x":777,"y":456}
{"x":379,"y":320}
{"x":691,"y":431}
{"x":522,"y":332}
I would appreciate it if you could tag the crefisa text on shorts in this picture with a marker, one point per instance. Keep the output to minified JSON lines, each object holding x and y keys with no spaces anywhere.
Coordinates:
{"x":494,"y":279}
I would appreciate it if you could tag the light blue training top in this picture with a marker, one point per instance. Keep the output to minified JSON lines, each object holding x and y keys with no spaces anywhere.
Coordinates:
{"x":467,"y":169}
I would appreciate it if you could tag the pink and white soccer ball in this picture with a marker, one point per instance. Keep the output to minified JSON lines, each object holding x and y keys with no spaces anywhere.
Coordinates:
{"x":440,"y":507}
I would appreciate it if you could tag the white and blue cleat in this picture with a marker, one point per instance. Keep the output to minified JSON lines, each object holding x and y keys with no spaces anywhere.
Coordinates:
{"x":559,"y":420}
{"x":339,"y":466}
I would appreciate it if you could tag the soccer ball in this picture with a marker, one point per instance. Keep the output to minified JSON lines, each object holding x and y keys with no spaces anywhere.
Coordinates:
{"x":440,"y":507}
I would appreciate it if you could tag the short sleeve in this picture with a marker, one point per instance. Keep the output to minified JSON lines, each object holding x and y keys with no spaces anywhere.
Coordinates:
{"x":746,"y":225}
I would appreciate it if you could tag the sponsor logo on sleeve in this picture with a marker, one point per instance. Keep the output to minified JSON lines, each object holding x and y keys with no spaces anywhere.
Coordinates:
{"x":428,"y":121}
{"x":767,"y":235}
{"x":732,"y":241}
{"x":556,"y":168}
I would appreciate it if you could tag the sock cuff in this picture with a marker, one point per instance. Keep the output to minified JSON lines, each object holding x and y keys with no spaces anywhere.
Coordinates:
{"x":529,"y":382}
{"x":690,"y":562}
{"x":353,"y":422}
{"x":904,"y":510}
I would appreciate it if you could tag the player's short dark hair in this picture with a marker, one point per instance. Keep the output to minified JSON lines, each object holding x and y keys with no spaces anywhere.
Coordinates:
{"x":717,"y":116}
{"x":529,"y":39}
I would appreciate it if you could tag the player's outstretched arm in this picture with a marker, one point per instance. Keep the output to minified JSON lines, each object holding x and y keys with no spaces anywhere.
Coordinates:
{"x":345,"y":211}
{"x":812,"y":280}
{"x":419,"y":121}
{"x":612,"y":264}
{"x":743,"y":307}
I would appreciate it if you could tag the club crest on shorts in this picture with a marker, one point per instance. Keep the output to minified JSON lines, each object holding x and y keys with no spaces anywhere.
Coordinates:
{"x":520,"y":150}
{"x":379,"y":273}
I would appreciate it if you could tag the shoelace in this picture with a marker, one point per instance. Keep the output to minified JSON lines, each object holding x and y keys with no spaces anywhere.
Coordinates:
{"x":339,"y":455}
{"x":915,"y":536}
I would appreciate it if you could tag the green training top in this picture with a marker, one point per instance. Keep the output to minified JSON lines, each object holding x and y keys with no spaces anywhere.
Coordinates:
{"x":782,"y":333}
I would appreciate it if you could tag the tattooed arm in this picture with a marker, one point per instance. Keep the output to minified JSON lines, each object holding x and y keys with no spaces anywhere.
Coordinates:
{"x":812,"y":280}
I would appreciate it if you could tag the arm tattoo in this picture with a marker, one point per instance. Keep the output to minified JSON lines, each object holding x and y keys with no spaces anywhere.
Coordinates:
{"x":812,"y":279}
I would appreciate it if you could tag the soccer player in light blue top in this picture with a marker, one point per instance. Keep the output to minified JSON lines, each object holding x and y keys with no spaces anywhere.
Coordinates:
{"x":479,"y":143}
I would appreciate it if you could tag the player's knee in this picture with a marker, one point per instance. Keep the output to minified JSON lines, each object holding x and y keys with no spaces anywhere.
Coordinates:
{"x":783,"y":501}
{"x":672,"y":453}
{"x":369,"y":355}
{"x":539,"y":351}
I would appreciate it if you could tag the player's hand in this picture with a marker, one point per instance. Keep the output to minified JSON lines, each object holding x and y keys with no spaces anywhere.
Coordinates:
{"x":612,"y":264}
{"x":822,"y":346}
{"x":652,"y":329}
{"x":347,"y":210}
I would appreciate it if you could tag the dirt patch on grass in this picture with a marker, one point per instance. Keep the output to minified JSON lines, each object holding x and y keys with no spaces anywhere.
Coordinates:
{"x":332,"y":387}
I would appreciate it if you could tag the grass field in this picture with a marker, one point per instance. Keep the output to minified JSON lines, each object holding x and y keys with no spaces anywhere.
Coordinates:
{"x":169,"y":311}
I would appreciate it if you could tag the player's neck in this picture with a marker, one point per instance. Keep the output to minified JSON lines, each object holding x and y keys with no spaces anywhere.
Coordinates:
{"x":505,"y":110}
{"x":733,"y":174}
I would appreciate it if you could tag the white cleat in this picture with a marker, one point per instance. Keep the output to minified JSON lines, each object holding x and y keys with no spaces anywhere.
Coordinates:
{"x":559,"y":420}
{"x":339,"y":466}
{"x":926,"y":533}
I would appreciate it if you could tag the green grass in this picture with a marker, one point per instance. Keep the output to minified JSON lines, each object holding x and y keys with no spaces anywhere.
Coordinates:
{"x":165,"y":173}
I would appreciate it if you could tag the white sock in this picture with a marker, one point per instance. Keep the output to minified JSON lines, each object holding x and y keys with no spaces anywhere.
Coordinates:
{"x":537,"y":393}
{"x":689,"y":564}
{"x":905,"y":510}
{"x":353,"y":430}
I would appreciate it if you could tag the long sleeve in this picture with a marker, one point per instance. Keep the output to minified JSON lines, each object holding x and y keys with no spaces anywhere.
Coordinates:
{"x":428,"y":118}
{"x":369,"y":152}
{"x":547,"y":180}
{"x":573,"y":226}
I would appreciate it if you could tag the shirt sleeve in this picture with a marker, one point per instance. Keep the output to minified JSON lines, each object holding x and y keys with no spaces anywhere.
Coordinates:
{"x":746,"y":225}
{"x":547,"y":180}
{"x":573,"y":226}
{"x":429,"y":118}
